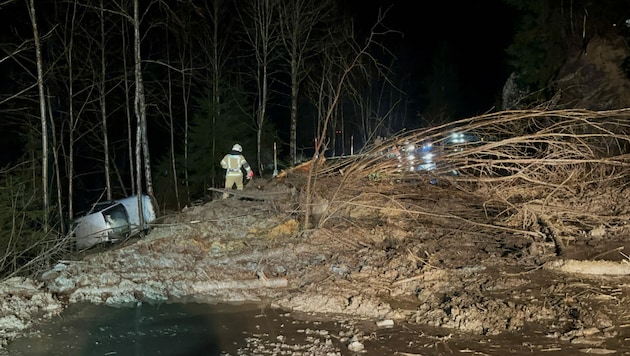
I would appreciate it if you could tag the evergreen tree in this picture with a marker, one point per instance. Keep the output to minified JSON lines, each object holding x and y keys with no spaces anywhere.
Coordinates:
{"x":550,"y":31}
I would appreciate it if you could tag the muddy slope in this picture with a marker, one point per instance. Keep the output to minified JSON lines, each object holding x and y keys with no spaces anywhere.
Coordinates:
{"x":368,"y":260}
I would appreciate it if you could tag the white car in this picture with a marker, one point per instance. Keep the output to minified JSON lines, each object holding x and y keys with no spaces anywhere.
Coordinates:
{"x":111,"y":221}
{"x":131,"y":205}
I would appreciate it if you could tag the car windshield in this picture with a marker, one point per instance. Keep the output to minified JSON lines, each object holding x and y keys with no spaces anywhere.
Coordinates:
{"x":101,"y":206}
{"x":116,"y":216}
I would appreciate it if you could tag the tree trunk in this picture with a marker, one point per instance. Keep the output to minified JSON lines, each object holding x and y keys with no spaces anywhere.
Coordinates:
{"x":55,"y":152}
{"x":139,"y":108}
{"x":216,"y":99}
{"x":261,"y":116}
{"x":294,"y":101}
{"x":169,"y":100}
{"x":186,"y":86}
{"x":130,"y":145}
{"x":106,"y":164}
{"x":42,"y":113}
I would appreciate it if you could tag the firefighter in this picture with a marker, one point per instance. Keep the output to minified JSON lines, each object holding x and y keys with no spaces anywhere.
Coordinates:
{"x":234,"y":162}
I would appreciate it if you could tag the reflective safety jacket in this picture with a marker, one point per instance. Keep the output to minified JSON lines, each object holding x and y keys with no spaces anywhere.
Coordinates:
{"x":233,"y":163}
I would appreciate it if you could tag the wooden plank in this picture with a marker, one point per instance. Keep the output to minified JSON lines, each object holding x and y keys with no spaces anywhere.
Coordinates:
{"x":258,"y":195}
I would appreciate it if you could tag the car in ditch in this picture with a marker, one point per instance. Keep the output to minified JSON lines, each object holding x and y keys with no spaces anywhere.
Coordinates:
{"x":111,"y":221}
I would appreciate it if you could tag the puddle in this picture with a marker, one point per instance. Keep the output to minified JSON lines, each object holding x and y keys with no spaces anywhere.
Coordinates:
{"x":169,"y":329}
{"x":203,"y":329}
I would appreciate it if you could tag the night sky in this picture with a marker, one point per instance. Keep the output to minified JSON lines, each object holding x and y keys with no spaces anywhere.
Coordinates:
{"x":478,"y":32}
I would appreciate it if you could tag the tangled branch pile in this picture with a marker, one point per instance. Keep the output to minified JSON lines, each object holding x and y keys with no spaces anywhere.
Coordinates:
{"x":553,"y":174}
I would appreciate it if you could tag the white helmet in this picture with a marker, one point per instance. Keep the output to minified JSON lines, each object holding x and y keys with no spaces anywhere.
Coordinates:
{"x":237,"y":148}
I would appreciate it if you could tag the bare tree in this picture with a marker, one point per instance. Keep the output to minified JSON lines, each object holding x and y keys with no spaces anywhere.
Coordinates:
{"x":168,"y":93}
{"x":42,"y":110}
{"x":103,"y":102}
{"x":351,"y":61}
{"x":299,"y":19}
{"x":262,"y":34}
{"x":218,"y":56}
{"x":56,"y":165}
{"x":186,"y":31}
{"x":186,"y":83}
{"x":140,"y":109}
{"x":72,"y":74}
{"x":69,"y":45}
{"x":128,"y":111}
{"x":377,"y":102}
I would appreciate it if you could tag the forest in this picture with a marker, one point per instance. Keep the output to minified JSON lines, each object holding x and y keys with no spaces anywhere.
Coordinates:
{"x":107,"y":99}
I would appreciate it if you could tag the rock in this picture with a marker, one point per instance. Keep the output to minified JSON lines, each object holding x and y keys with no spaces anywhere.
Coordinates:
{"x":356,"y":346}
{"x":61,"y":284}
{"x":387,"y":323}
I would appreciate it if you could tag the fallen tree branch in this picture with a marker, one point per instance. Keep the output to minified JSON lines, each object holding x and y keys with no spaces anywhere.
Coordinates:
{"x":610,"y":268}
{"x":255,"y":195}
{"x":555,"y":233}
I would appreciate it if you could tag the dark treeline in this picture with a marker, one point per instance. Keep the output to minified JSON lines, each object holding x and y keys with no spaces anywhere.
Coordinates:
{"x":212,"y":73}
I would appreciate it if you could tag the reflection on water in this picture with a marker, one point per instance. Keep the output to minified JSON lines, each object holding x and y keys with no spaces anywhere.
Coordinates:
{"x":146,"y":329}
{"x":204,"y":329}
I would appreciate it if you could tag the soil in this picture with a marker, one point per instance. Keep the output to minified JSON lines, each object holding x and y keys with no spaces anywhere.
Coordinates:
{"x":392,"y":251}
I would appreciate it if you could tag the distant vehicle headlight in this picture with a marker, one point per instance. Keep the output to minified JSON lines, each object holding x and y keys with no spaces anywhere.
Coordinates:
{"x":457,"y":137}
